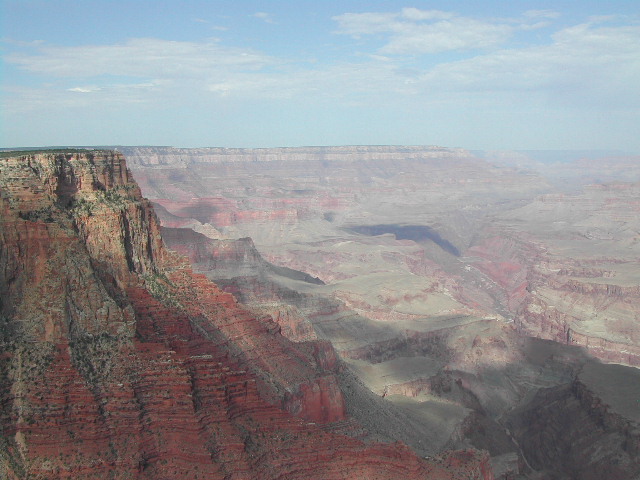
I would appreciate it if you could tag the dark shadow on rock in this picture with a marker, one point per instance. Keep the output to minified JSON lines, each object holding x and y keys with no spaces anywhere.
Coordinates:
{"x":416,"y":233}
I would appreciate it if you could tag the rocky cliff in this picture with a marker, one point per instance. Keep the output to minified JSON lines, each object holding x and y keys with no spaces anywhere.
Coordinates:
{"x":117,"y":361}
{"x":436,"y":270}
{"x":238,"y":268}
{"x":484,"y":239}
{"x":587,"y":429}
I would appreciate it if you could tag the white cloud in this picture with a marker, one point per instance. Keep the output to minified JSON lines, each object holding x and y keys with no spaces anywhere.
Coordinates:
{"x":358,"y":24}
{"x":417,"y":14}
{"x":533,"y":26}
{"x":446,"y":35}
{"x":583,"y":62}
{"x":413,"y":31}
{"x":587,"y":64}
{"x":551,"y":14}
{"x":267,"y":17}
{"x":141,"y":57}
{"x":84,"y":89}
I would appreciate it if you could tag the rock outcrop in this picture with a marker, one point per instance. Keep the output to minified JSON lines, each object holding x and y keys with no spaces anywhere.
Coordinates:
{"x":587,"y":429}
{"x":238,"y":268}
{"x":118,"y":361}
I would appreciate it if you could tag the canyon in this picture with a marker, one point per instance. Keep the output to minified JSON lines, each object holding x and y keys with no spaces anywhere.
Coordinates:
{"x":462,"y":297}
{"x":118,"y":360}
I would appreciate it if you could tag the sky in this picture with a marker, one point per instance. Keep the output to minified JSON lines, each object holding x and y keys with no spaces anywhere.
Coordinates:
{"x":485,"y":75}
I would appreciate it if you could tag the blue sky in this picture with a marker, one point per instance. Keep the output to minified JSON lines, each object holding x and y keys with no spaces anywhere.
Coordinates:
{"x":473,"y":74}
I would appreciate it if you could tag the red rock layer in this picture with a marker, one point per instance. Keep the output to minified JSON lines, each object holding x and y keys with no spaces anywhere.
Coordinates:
{"x":507,"y":262}
{"x":519,"y":266}
{"x":119,"y":362}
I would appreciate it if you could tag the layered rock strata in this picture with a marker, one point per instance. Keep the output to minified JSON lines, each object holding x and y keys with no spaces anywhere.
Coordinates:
{"x":437,"y":268}
{"x":119,"y":362}
{"x":569,"y":271}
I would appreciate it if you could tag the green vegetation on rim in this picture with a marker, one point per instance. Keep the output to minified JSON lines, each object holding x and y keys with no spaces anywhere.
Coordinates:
{"x":21,"y":153}
{"x":160,"y":287}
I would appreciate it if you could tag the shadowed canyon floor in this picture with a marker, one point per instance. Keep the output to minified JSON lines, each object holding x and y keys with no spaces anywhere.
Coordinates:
{"x":467,"y":297}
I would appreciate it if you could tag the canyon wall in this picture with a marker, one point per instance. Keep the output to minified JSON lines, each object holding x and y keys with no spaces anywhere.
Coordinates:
{"x":119,"y":362}
{"x":587,"y":429}
{"x":570,"y":268}
{"x":430,"y":271}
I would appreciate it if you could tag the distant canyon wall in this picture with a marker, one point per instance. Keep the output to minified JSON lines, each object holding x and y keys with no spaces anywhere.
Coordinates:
{"x":290,"y":200}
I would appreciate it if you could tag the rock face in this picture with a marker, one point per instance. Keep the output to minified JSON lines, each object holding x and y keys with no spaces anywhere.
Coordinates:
{"x":570,"y":268}
{"x":238,"y":268}
{"x":485,"y":239}
{"x":438,"y":273}
{"x":587,"y":429}
{"x":118,"y":361}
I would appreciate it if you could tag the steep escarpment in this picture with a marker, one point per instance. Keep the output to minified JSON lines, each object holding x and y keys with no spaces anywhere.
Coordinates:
{"x":483,"y":239}
{"x":437,"y":270}
{"x":426,"y":422}
{"x":237,"y":267}
{"x":587,"y":429}
{"x":118,"y":361}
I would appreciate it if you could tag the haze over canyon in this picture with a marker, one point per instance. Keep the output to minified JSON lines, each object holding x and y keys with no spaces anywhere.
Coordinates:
{"x":319,"y":312}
